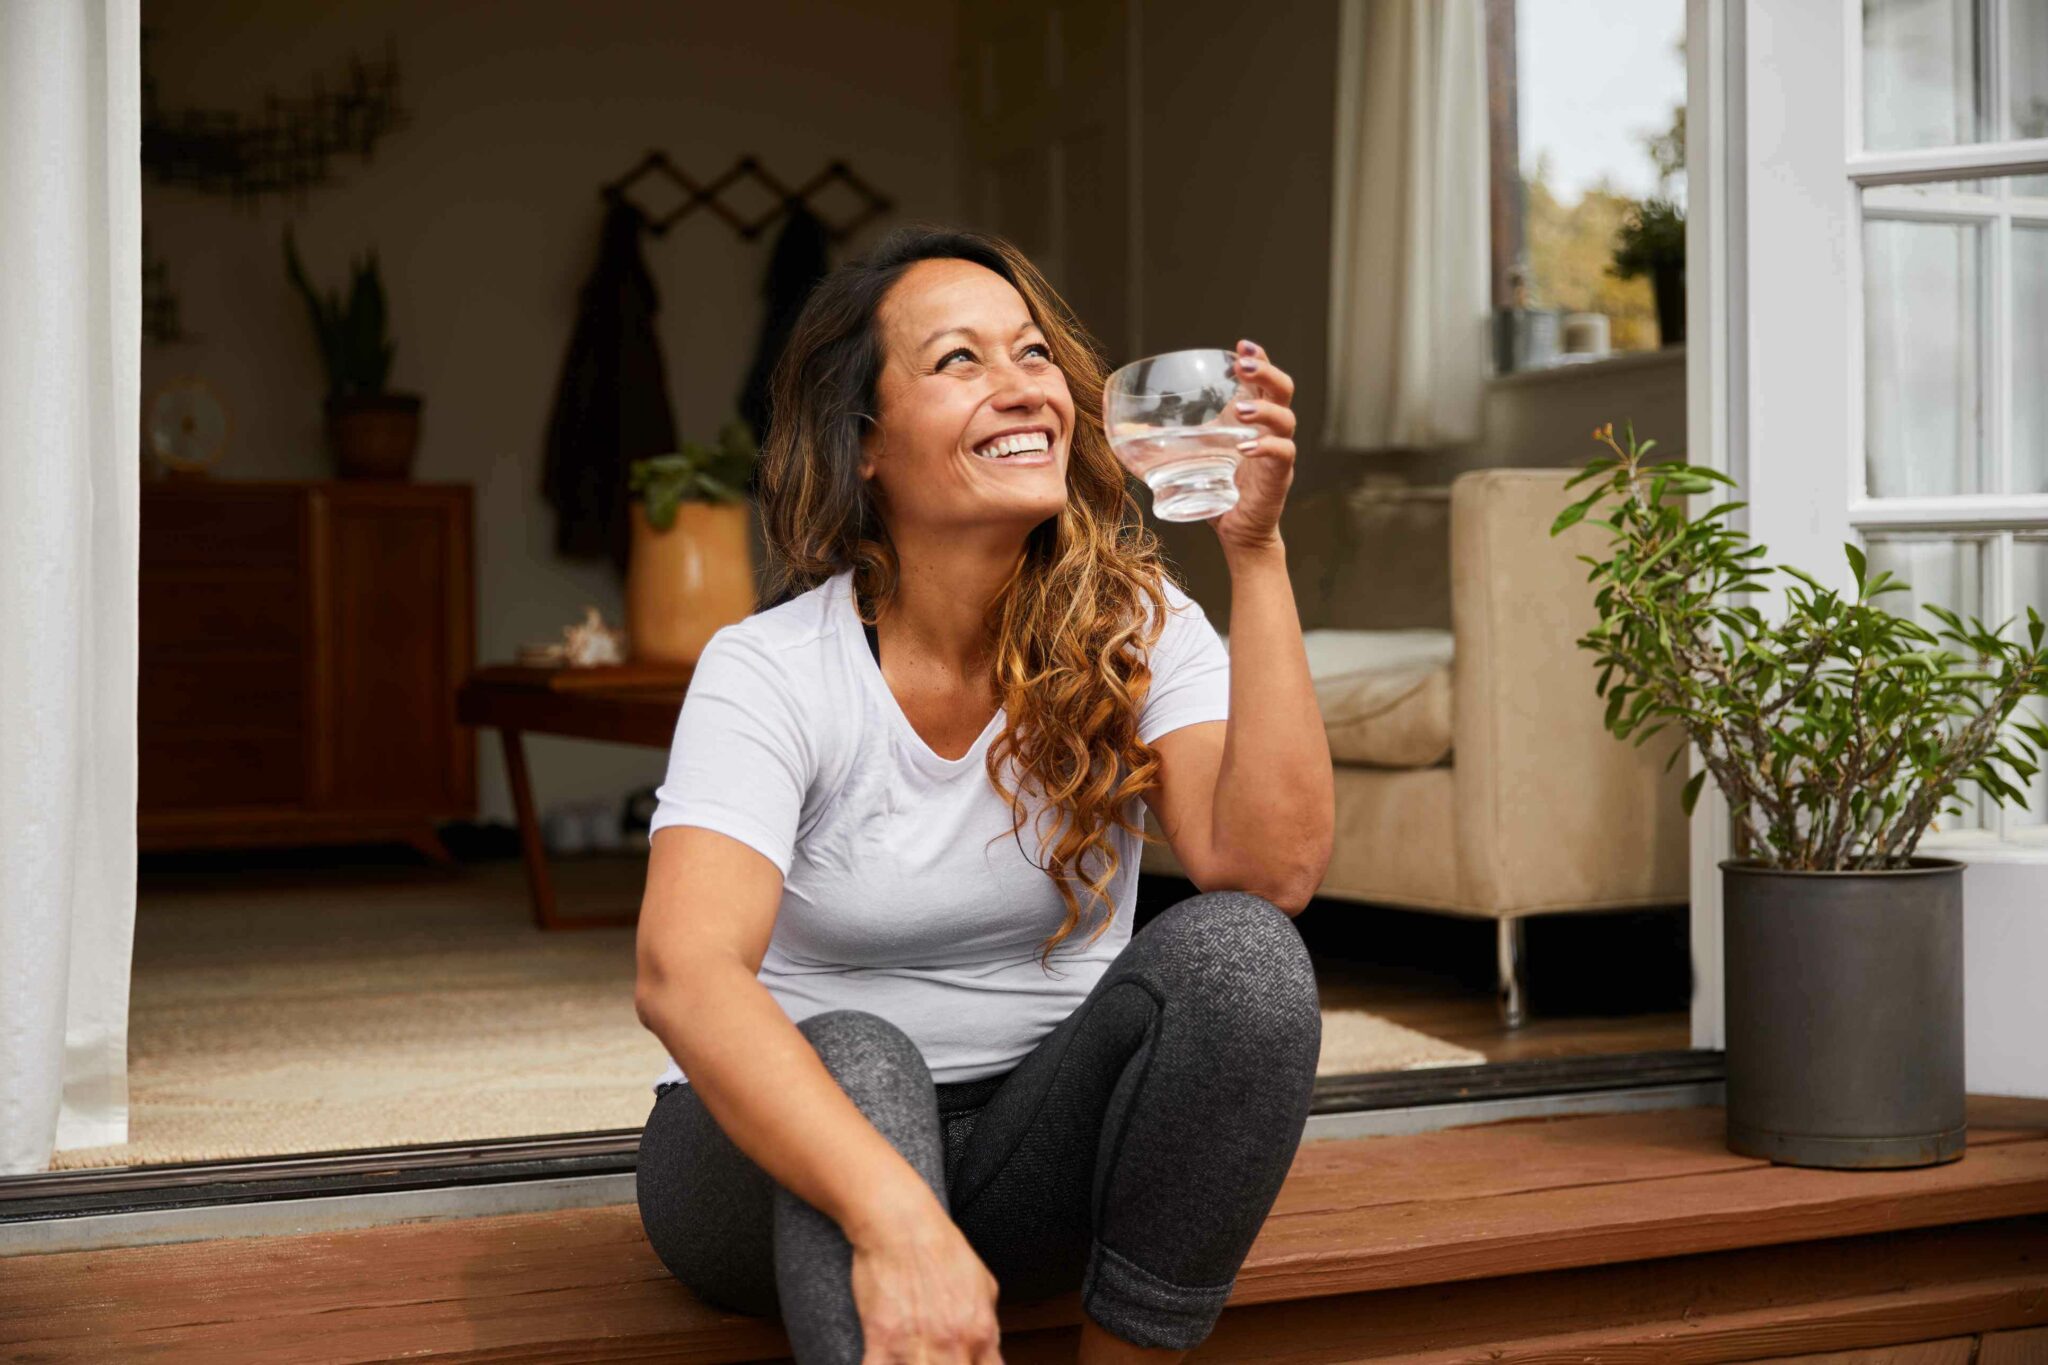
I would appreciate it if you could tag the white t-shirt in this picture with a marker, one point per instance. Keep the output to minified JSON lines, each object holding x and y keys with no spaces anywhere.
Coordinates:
{"x":902,"y":892}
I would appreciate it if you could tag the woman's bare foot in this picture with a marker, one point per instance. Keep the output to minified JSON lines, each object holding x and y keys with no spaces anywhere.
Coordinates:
{"x":1100,"y":1348}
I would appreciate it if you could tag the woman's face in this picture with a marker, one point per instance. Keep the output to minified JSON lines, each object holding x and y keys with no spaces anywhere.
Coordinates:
{"x":974,"y":420}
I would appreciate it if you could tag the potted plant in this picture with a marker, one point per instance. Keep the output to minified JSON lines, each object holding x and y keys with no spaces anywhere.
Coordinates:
{"x":1651,"y":241}
{"x":691,"y":566}
{"x":1839,"y":735}
{"x":372,"y":433}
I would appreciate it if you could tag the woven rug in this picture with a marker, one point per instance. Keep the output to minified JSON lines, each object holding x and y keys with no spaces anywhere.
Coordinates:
{"x":272,"y":1016}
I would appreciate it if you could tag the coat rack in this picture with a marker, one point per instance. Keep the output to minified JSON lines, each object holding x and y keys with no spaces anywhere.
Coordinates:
{"x":707,"y":195}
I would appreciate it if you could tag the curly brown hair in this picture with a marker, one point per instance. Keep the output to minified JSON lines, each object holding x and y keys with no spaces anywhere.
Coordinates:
{"x":1069,"y":634}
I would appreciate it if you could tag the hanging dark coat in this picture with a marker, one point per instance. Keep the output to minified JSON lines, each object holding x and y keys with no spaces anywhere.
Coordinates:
{"x":611,"y":404}
{"x":799,"y":260}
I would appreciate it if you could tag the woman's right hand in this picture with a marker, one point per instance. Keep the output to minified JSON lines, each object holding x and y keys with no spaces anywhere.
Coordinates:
{"x":923,"y":1296}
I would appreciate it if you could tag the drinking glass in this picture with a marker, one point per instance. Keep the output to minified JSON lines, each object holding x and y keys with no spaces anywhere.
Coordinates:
{"x":1171,"y":423}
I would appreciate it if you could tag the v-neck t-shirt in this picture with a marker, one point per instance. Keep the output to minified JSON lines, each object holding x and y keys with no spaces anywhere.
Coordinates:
{"x":903,"y":891}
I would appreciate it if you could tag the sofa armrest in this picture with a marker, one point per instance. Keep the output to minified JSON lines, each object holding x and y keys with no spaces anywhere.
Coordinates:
{"x":1552,"y":811}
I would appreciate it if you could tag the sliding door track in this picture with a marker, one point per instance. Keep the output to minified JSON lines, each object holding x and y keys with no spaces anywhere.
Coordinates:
{"x":134,"y":1189}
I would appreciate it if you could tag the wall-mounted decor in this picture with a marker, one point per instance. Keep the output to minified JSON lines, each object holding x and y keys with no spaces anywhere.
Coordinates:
{"x":734,"y":185}
{"x":281,"y":149}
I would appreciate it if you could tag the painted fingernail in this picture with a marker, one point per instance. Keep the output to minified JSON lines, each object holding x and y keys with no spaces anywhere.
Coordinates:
{"x":1248,"y":446}
{"x":1247,"y":408}
{"x":1249,"y":347}
{"x":1247,"y":363}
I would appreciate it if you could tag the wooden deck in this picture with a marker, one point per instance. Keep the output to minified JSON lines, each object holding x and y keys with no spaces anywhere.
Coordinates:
{"x":1631,"y":1237}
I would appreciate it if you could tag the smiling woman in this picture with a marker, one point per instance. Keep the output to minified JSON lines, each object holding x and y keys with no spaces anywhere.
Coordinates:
{"x":887,"y":1101}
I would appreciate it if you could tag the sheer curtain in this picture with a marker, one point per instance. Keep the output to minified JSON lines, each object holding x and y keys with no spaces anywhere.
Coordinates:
{"x":1408,"y":265}
{"x":70,"y":371}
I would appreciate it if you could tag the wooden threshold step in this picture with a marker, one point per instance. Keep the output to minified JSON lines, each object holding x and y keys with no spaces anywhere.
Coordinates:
{"x":1363,"y":1216}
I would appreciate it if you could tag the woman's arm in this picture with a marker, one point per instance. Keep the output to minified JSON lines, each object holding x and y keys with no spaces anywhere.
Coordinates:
{"x":1274,"y":805}
{"x":705,"y":921}
{"x":1251,"y":804}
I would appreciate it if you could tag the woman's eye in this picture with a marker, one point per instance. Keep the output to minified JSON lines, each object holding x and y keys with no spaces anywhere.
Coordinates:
{"x":1044,"y":351}
{"x":947,"y":358}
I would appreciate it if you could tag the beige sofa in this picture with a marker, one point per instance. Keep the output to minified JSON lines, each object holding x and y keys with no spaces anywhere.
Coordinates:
{"x":1474,"y":774}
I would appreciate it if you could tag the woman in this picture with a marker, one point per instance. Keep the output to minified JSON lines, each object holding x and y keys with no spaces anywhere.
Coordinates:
{"x":895,"y":799}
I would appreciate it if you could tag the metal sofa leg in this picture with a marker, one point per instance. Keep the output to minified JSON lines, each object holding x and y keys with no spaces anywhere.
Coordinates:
{"x":1512,"y":952}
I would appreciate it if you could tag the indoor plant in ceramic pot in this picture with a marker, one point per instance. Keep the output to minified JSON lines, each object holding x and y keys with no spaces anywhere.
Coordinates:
{"x":691,"y":568}
{"x":1838,"y":734}
{"x":373,"y":433}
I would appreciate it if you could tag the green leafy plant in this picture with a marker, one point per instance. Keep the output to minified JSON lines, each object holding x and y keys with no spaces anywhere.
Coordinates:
{"x":1652,"y":234}
{"x":1839,"y":733}
{"x":696,"y":473}
{"x":354,"y":342}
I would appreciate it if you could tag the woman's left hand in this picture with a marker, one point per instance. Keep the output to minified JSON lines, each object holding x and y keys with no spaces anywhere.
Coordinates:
{"x":1266,"y":464}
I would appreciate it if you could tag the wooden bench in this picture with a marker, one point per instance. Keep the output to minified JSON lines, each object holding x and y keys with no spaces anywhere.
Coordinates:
{"x":1634,"y":1237}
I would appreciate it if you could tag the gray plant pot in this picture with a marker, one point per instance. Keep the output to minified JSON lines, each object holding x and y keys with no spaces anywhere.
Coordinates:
{"x":1845,"y":1014}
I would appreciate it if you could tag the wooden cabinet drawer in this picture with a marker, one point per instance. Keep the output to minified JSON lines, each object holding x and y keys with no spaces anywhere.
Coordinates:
{"x":222,"y":524}
{"x":186,"y":610}
{"x":258,"y":692}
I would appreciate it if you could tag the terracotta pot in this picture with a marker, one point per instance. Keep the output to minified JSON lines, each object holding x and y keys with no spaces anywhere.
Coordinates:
{"x":684,"y":583}
{"x":374,"y":436}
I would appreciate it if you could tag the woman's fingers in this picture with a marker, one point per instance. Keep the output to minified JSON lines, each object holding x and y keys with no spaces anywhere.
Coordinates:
{"x":1277,"y":448}
{"x":1258,"y":369}
{"x":1273,"y":417}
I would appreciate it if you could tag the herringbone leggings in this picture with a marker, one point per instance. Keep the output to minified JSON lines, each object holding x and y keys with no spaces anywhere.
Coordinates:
{"x":1134,"y":1153}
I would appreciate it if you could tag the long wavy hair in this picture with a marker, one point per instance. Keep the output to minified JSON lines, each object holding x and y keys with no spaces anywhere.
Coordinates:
{"x":1069,"y":633}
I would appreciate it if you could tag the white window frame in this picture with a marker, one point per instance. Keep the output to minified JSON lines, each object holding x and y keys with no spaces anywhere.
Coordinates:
{"x":2007,"y":833}
{"x":1776,"y":173}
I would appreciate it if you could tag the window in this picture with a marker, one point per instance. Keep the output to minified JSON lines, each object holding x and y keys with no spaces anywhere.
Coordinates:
{"x":1950,"y":491}
{"x":1588,"y":126}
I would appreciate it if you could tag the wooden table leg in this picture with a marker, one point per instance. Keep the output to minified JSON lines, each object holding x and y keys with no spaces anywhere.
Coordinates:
{"x":537,"y":880}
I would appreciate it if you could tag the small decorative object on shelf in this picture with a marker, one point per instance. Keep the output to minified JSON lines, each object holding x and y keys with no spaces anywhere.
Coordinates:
{"x":185,"y":428}
{"x":1585,"y":336}
{"x":1837,"y":734}
{"x":692,"y":565}
{"x":372,"y":432}
{"x":589,"y":643}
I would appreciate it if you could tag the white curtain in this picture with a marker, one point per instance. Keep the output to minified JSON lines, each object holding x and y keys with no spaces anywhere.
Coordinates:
{"x":1409,"y":274}
{"x":70,"y":372}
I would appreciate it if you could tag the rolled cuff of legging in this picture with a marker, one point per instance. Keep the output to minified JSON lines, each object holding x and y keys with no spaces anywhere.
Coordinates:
{"x":1132,"y":1303}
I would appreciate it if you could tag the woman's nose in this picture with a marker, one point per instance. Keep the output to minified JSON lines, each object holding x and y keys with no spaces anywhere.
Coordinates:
{"x":1018,"y":387}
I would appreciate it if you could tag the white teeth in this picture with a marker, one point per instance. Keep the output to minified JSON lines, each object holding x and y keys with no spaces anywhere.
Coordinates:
{"x":1015,"y":444}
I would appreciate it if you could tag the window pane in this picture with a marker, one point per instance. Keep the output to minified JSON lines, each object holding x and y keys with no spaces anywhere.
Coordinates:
{"x":2027,"y":69}
{"x":1921,"y":85}
{"x":1922,"y":339}
{"x":1949,"y":572}
{"x":2030,"y":359}
{"x":2030,"y":589}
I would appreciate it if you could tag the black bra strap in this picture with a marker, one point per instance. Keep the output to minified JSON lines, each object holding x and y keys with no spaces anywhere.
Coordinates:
{"x":874,"y":641}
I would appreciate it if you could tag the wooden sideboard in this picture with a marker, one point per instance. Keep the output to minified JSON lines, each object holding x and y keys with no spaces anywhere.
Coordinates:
{"x":301,"y":645}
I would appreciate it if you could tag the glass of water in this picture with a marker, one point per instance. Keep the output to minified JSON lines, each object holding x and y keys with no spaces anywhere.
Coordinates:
{"x":1171,"y":423}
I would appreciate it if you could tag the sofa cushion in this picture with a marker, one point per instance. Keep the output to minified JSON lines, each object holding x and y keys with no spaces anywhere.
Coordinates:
{"x":1385,"y":695}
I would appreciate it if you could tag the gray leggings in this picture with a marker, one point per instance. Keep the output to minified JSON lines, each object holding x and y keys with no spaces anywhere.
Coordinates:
{"x":1134,"y":1153}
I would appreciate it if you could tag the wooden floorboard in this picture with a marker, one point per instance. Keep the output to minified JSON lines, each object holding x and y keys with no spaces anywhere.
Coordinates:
{"x":1387,"y":1214}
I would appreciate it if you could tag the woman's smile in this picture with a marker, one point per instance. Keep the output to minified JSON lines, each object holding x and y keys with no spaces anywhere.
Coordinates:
{"x":1022,"y":446}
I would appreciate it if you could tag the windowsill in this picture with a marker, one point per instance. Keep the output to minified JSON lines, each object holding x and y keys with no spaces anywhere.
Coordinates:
{"x":1981,"y":846}
{"x":1621,"y":362}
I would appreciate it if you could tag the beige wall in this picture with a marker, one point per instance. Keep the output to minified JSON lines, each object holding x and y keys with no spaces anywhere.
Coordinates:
{"x":484,"y":212}
{"x":1236,"y":134}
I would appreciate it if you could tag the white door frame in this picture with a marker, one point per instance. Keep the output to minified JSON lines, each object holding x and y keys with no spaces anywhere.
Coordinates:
{"x":1714,"y":425}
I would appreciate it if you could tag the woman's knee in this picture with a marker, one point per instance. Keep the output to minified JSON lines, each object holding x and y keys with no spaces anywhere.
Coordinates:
{"x":1239,"y":957}
{"x":866,"y":1053}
